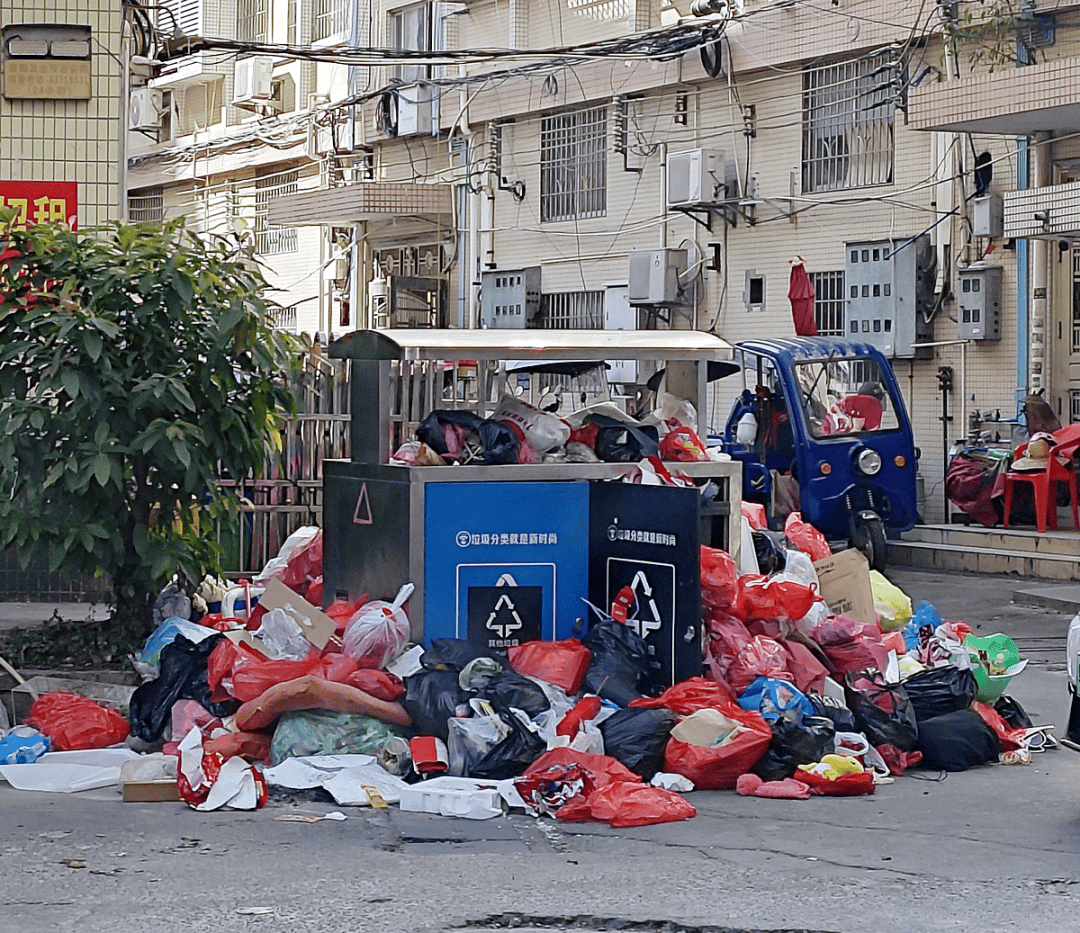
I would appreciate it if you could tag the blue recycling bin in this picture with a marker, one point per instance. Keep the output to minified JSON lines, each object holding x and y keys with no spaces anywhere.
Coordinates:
{"x":505,"y":563}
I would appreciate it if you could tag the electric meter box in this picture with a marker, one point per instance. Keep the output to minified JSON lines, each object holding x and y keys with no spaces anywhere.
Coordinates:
{"x":889,"y":294}
{"x":654,"y":276}
{"x":509,"y":298}
{"x":978,"y":304}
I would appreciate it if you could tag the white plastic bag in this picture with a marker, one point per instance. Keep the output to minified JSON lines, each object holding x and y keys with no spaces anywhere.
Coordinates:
{"x":282,"y":637}
{"x":543,"y":431}
{"x":378,"y":631}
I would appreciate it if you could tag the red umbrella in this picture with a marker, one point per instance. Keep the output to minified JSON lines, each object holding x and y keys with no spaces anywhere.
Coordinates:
{"x":801,"y":295}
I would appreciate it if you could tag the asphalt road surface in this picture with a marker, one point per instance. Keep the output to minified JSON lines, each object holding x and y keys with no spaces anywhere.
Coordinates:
{"x":993,"y":849}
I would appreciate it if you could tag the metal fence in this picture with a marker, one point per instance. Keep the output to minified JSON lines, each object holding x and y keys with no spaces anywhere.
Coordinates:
{"x":289,"y":493}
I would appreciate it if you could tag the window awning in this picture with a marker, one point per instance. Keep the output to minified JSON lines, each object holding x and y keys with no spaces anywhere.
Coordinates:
{"x":364,"y":201}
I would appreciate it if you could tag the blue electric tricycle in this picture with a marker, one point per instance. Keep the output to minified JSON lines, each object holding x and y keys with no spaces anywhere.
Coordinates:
{"x":820,"y":426}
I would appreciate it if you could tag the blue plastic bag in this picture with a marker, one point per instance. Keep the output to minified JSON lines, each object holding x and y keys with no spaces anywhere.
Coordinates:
{"x":22,"y":749}
{"x":165,"y":634}
{"x":925,"y":614}
{"x":773,"y":697}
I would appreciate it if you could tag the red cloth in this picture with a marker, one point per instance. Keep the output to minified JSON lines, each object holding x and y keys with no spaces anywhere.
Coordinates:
{"x":863,"y":406}
{"x":750,"y":785}
{"x":801,"y":295}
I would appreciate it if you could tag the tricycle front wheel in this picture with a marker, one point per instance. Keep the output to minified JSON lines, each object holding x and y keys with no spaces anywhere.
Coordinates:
{"x":869,"y":538}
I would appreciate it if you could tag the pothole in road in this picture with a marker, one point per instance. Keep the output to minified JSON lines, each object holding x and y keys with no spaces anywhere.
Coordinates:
{"x":526,"y":922}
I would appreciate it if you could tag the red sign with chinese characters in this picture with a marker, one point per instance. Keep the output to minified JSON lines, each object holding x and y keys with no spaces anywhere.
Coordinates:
{"x":38,"y":202}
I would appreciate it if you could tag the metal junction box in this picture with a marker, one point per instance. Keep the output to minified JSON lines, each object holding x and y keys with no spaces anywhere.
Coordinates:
{"x":889,"y":290}
{"x":510,"y":297}
{"x":654,"y":276}
{"x":978,"y":304}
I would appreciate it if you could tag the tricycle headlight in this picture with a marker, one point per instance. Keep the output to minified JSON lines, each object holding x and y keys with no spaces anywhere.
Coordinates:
{"x":868,"y":462}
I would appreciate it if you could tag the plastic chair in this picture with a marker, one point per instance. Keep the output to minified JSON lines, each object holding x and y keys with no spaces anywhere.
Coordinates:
{"x":1044,"y":484}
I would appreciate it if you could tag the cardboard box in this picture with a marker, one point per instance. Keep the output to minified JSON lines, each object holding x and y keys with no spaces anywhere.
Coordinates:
{"x":150,"y":791}
{"x":845,"y":585}
{"x":150,"y":779}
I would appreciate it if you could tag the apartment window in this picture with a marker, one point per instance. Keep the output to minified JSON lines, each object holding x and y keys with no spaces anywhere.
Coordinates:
{"x":572,"y":310}
{"x":146,"y":206}
{"x":410,"y":30}
{"x":573,"y":165}
{"x":270,"y":240}
{"x":291,"y":36}
{"x":252,"y":20}
{"x":828,"y":303}
{"x":848,"y":123}
{"x":331,"y":18}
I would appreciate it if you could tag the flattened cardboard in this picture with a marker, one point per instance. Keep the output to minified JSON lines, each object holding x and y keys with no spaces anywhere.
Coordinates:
{"x":316,"y":625}
{"x":845,"y":585}
{"x":244,"y":637}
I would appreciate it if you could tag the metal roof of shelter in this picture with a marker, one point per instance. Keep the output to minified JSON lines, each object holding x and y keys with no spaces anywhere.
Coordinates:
{"x":518,"y":344}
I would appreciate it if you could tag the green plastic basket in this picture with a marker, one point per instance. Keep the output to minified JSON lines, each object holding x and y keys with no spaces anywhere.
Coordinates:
{"x":995,"y":660}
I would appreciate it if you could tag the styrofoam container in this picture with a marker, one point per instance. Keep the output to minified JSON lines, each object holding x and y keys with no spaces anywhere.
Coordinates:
{"x":452,"y":796}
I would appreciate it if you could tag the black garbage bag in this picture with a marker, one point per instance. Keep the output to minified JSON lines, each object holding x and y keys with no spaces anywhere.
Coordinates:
{"x":795,"y":743}
{"x":637,"y":738}
{"x":883,"y":712}
{"x":497,"y":442}
{"x":509,"y":690}
{"x":769,"y":547}
{"x":431,"y":698}
{"x":182,"y":676}
{"x":454,"y":654}
{"x":957,"y":741}
{"x":1013,"y":713}
{"x":619,"y":442}
{"x":940,"y":690}
{"x":621,"y":669}
{"x":842,"y":717}
{"x":512,"y":755}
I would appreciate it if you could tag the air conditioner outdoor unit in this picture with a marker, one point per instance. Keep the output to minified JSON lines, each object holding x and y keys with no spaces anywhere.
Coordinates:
{"x":252,"y":80}
{"x":145,"y":109}
{"x":414,"y":110}
{"x":696,"y":177}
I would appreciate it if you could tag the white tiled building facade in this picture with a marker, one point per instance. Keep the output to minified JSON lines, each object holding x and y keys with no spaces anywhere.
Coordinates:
{"x":839,"y":126}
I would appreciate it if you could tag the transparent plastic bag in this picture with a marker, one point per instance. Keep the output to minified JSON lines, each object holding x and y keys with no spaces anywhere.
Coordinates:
{"x":378,"y":632}
{"x":282,"y":637}
{"x":301,"y":733}
{"x":542,"y":430}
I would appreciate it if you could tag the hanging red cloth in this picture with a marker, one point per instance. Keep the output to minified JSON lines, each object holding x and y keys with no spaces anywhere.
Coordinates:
{"x":801,"y":295}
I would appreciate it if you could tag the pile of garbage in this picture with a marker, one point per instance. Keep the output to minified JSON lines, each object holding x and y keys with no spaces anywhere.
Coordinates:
{"x":252,"y":686}
{"x":518,"y":432}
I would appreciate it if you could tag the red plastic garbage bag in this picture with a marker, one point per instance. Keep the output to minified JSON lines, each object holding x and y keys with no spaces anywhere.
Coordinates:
{"x":897,"y":761}
{"x":603,"y":769}
{"x":762,"y":657}
{"x":220,"y":623}
{"x":75,"y":722}
{"x":719,"y":578}
{"x":315,"y":591}
{"x":380,"y":684}
{"x":806,"y":670}
{"x":682,"y":444}
{"x":562,"y":663}
{"x":754,"y":513}
{"x":727,"y":637}
{"x":305,"y":564}
{"x":688,"y":697}
{"x":850,"y":645}
{"x":252,"y":679}
{"x":768,"y":598}
{"x":341,"y":610}
{"x":719,"y":767}
{"x":335,"y":667}
{"x":1010,"y":739}
{"x":219,"y":667}
{"x":626,"y":804}
{"x":847,"y":785}
{"x":585,"y":709}
{"x":806,"y":537}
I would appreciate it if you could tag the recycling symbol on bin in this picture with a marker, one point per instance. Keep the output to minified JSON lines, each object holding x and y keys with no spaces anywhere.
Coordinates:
{"x":504,"y":618}
{"x":643,"y":592}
